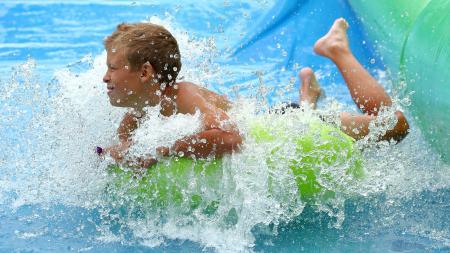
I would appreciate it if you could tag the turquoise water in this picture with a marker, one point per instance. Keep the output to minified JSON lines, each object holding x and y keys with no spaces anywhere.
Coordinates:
{"x":54,"y":111}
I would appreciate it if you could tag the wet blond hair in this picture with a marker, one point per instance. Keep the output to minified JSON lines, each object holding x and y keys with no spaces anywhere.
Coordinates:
{"x":146,"y":42}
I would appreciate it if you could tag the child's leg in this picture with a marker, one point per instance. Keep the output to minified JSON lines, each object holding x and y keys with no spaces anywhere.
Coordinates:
{"x":310,"y":89}
{"x":364,"y":89}
{"x":367,"y":93}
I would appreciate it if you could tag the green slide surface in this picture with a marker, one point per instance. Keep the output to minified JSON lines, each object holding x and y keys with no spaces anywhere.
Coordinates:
{"x":426,"y":70}
{"x":413,"y":38}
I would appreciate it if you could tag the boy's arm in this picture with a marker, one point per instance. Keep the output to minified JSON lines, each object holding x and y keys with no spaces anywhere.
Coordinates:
{"x":357,"y":126}
{"x":218,"y":136}
{"x":214,"y":142}
{"x":126,"y":126}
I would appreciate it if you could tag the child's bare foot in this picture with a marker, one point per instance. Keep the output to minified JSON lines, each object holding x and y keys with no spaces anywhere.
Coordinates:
{"x":335,"y":41}
{"x":310,"y":89}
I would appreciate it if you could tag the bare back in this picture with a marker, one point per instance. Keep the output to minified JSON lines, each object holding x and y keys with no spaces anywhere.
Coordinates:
{"x":191,"y":97}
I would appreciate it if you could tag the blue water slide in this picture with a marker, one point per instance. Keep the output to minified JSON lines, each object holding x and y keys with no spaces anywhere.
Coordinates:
{"x":284,"y":37}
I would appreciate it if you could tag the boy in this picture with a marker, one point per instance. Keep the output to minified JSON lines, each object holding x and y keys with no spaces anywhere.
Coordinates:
{"x":143,"y":62}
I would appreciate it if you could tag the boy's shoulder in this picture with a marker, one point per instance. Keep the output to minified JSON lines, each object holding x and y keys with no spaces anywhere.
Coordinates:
{"x":189,"y":96}
{"x":184,"y":85}
{"x":186,"y":90}
{"x":192,"y":97}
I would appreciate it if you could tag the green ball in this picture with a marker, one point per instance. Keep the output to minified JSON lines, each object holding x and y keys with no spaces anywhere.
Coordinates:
{"x":321,"y":147}
{"x":171,"y":182}
{"x":193,"y":184}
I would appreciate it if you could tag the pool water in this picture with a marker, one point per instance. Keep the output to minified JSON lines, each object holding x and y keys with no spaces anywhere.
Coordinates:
{"x":54,"y":111}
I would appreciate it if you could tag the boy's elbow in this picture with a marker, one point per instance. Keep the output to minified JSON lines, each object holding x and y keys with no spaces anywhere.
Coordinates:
{"x":233,"y":141}
{"x":402,"y":127}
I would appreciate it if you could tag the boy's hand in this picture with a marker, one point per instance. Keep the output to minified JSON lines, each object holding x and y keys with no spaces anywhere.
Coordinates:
{"x":145,"y":163}
{"x":117,"y":152}
{"x":163,"y":151}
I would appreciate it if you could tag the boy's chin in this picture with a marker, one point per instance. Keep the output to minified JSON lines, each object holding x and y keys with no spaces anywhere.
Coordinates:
{"x":116,"y":103}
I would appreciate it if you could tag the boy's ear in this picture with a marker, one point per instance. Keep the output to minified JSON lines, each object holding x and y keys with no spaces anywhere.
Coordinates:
{"x":147,"y":72}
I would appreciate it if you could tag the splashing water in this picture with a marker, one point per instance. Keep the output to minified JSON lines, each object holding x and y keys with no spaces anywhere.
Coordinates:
{"x":49,"y":132}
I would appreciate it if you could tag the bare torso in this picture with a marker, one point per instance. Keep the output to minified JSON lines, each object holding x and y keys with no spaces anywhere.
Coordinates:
{"x":188,"y":99}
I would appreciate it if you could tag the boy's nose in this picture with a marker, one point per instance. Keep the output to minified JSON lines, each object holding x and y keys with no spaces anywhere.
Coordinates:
{"x":106,"y":78}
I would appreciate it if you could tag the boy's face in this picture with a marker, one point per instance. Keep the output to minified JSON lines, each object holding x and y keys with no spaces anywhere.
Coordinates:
{"x":125,"y":88}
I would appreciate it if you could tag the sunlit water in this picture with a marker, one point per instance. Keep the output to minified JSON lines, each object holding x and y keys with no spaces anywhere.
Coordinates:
{"x":52,"y":184}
